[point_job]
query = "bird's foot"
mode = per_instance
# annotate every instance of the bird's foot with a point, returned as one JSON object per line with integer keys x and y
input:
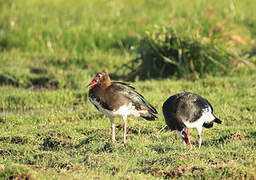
{"x": 120, "y": 145}
{"x": 190, "y": 146}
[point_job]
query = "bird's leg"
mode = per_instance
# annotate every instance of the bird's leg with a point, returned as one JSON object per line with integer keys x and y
{"x": 199, "y": 140}
{"x": 113, "y": 137}
{"x": 124, "y": 129}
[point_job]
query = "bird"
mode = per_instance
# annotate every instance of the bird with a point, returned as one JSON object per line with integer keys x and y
{"x": 118, "y": 99}
{"x": 188, "y": 110}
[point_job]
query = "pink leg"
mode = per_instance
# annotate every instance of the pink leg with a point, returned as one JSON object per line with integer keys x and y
{"x": 199, "y": 141}
{"x": 113, "y": 130}
{"x": 124, "y": 133}
{"x": 190, "y": 145}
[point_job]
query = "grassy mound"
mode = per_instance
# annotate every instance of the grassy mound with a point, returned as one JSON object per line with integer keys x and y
{"x": 169, "y": 52}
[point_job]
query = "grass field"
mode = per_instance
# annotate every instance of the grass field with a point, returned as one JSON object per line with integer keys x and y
{"x": 50, "y": 51}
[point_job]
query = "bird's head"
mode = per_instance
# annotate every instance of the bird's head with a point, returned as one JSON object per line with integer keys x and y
{"x": 185, "y": 134}
{"x": 101, "y": 79}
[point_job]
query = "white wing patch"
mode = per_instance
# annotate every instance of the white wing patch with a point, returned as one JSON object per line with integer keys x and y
{"x": 125, "y": 110}
{"x": 207, "y": 117}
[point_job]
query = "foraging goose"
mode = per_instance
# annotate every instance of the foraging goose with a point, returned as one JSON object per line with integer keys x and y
{"x": 188, "y": 110}
{"x": 118, "y": 99}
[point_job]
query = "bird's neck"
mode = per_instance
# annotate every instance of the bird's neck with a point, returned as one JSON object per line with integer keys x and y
{"x": 106, "y": 83}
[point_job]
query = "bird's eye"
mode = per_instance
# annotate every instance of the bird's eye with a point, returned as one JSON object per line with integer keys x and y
{"x": 183, "y": 134}
{"x": 100, "y": 75}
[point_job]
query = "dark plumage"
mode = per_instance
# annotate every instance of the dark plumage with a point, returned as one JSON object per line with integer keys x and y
{"x": 118, "y": 99}
{"x": 188, "y": 110}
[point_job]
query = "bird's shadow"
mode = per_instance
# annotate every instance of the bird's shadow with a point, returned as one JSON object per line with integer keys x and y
{"x": 227, "y": 138}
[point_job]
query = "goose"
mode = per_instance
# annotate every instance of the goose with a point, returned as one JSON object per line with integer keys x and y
{"x": 118, "y": 99}
{"x": 188, "y": 110}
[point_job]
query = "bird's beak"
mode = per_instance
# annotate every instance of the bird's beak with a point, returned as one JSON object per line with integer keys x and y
{"x": 186, "y": 137}
{"x": 94, "y": 81}
{"x": 187, "y": 141}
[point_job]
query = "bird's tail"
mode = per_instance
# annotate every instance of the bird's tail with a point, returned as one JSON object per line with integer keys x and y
{"x": 149, "y": 116}
{"x": 149, "y": 106}
{"x": 217, "y": 120}
{"x": 210, "y": 124}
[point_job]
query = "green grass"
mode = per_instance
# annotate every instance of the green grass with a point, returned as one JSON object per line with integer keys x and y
{"x": 64, "y": 138}
{"x": 50, "y": 51}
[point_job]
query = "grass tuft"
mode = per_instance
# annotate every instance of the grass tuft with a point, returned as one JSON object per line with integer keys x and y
{"x": 166, "y": 52}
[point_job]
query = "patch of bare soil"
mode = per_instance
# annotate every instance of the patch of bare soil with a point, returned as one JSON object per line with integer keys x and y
{"x": 22, "y": 176}
{"x": 44, "y": 83}
{"x": 180, "y": 170}
{"x": 232, "y": 136}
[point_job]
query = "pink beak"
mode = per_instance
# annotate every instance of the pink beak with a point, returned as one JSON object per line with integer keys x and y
{"x": 94, "y": 82}
{"x": 187, "y": 137}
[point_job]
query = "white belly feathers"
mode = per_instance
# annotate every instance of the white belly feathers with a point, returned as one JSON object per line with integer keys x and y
{"x": 124, "y": 110}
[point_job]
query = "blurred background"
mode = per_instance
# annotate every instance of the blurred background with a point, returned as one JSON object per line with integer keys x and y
{"x": 59, "y": 44}
{"x": 51, "y": 49}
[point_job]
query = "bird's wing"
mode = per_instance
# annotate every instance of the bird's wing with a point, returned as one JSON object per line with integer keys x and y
{"x": 132, "y": 94}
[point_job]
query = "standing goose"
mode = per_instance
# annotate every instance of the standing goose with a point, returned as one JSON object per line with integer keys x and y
{"x": 118, "y": 99}
{"x": 188, "y": 110}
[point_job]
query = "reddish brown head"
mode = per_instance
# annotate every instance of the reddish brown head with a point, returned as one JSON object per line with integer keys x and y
{"x": 185, "y": 134}
{"x": 101, "y": 79}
